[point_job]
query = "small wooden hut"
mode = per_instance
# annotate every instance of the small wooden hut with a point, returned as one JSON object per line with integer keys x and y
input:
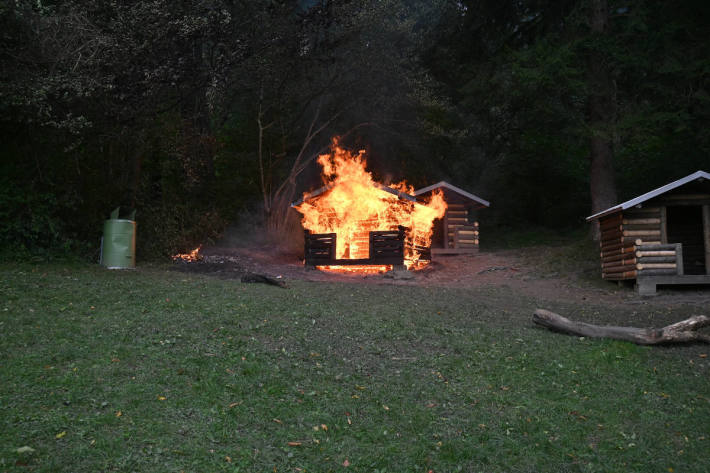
{"x": 661, "y": 237}
{"x": 458, "y": 232}
{"x": 375, "y": 247}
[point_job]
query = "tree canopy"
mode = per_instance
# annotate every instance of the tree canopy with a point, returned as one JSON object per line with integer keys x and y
{"x": 197, "y": 112}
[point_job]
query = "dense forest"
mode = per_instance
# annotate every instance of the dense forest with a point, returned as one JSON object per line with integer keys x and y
{"x": 205, "y": 114}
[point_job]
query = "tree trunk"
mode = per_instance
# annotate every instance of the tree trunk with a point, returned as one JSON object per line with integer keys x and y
{"x": 679, "y": 332}
{"x": 602, "y": 112}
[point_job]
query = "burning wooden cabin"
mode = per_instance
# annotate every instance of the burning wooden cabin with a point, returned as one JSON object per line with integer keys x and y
{"x": 458, "y": 231}
{"x": 661, "y": 237}
{"x": 355, "y": 223}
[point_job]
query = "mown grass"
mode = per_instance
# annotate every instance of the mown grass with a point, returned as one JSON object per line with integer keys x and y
{"x": 154, "y": 370}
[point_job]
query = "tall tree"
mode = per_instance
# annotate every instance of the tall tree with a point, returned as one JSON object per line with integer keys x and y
{"x": 582, "y": 93}
{"x": 602, "y": 113}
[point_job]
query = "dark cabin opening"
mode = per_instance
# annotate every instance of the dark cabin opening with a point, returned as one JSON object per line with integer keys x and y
{"x": 437, "y": 238}
{"x": 684, "y": 225}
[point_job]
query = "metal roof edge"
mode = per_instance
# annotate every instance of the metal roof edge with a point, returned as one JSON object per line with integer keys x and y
{"x": 310, "y": 195}
{"x": 452, "y": 187}
{"x": 651, "y": 194}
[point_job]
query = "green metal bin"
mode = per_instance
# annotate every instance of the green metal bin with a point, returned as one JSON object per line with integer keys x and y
{"x": 118, "y": 245}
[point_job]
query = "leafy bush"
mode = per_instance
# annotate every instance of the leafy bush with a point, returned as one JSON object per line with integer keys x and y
{"x": 30, "y": 220}
{"x": 167, "y": 230}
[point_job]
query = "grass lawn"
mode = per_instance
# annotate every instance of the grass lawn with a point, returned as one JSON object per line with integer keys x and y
{"x": 155, "y": 370}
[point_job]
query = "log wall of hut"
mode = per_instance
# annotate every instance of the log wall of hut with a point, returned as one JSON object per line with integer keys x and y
{"x": 669, "y": 235}
{"x": 633, "y": 243}
{"x": 456, "y": 231}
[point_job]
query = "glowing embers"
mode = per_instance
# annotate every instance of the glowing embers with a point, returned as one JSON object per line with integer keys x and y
{"x": 357, "y": 268}
{"x": 190, "y": 257}
{"x": 351, "y": 209}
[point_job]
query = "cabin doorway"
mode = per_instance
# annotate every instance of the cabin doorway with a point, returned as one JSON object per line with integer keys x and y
{"x": 684, "y": 224}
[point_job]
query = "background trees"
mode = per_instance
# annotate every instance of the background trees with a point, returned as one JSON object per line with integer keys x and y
{"x": 562, "y": 100}
{"x": 193, "y": 112}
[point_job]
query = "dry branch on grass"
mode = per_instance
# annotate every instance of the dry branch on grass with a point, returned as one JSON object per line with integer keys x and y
{"x": 679, "y": 332}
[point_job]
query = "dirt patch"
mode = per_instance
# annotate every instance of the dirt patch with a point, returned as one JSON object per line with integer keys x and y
{"x": 513, "y": 282}
{"x": 528, "y": 272}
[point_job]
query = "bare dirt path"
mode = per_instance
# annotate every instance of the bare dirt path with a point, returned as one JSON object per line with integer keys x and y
{"x": 519, "y": 270}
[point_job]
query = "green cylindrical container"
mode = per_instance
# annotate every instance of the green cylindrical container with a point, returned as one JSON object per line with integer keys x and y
{"x": 118, "y": 248}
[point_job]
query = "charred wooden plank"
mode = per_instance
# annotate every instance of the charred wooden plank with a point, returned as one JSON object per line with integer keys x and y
{"x": 262, "y": 278}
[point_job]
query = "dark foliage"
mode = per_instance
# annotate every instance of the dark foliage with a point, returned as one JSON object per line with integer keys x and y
{"x": 193, "y": 113}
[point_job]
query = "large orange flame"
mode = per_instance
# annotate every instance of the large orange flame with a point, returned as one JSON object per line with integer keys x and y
{"x": 355, "y": 205}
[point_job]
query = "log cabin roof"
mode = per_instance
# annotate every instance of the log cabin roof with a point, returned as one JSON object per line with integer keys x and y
{"x": 317, "y": 192}
{"x": 696, "y": 176}
{"x": 450, "y": 189}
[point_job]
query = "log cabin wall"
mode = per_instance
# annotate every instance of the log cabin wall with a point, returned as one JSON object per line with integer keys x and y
{"x": 665, "y": 232}
{"x": 459, "y": 232}
{"x": 646, "y": 224}
{"x": 633, "y": 242}
{"x": 658, "y": 240}
{"x": 617, "y": 251}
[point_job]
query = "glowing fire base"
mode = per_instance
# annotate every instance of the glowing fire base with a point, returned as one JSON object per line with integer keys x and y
{"x": 385, "y": 248}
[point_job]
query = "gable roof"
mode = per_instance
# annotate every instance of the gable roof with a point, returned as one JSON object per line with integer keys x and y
{"x": 696, "y": 176}
{"x": 317, "y": 192}
{"x": 451, "y": 187}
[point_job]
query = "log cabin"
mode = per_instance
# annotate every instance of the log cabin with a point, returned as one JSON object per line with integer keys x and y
{"x": 659, "y": 238}
{"x": 459, "y": 231}
{"x": 370, "y": 246}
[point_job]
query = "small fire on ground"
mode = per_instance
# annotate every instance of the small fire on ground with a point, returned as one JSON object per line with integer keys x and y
{"x": 358, "y": 268}
{"x": 190, "y": 257}
{"x": 355, "y": 205}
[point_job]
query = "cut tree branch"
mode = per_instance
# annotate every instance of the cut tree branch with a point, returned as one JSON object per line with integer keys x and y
{"x": 679, "y": 332}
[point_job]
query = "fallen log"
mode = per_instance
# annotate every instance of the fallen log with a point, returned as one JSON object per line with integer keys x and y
{"x": 679, "y": 332}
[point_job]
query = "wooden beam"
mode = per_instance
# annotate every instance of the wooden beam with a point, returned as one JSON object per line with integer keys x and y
{"x": 446, "y": 230}
{"x": 649, "y": 247}
{"x": 656, "y": 266}
{"x": 641, "y": 221}
{"x": 642, "y": 233}
{"x": 620, "y": 276}
{"x": 641, "y": 254}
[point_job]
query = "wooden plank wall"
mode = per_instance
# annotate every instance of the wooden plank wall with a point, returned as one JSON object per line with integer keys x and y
{"x": 459, "y": 232}
{"x": 616, "y": 251}
{"x": 632, "y": 246}
{"x": 644, "y": 224}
